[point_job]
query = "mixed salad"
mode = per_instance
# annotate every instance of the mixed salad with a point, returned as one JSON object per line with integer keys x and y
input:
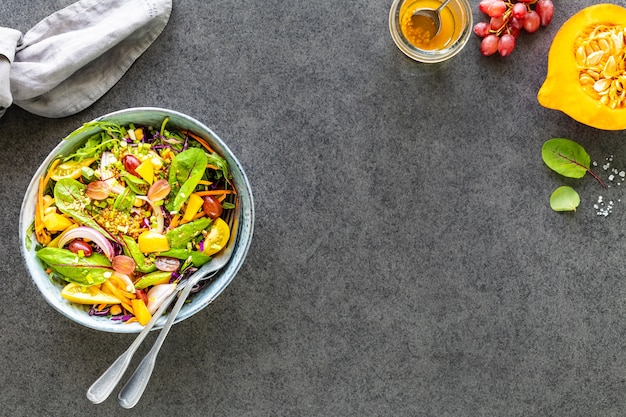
{"x": 124, "y": 218}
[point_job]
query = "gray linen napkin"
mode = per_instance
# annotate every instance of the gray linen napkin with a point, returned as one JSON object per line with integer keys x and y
{"x": 74, "y": 56}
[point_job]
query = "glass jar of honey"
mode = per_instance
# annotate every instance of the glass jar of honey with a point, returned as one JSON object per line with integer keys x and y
{"x": 415, "y": 35}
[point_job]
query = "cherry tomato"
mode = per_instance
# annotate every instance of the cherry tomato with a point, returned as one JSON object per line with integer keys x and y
{"x": 212, "y": 206}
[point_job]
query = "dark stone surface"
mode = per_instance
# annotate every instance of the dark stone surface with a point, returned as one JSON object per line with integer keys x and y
{"x": 405, "y": 260}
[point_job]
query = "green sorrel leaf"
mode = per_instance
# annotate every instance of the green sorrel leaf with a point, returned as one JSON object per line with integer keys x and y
{"x": 566, "y": 157}
{"x": 564, "y": 198}
{"x": 91, "y": 270}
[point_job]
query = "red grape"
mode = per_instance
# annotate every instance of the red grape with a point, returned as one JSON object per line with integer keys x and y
{"x": 506, "y": 44}
{"x": 519, "y": 10}
{"x": 212, "y": 206}
{"x": 123, "y": 264}
{"x": 495, "y": 23}
{"x": 78, "y": 245}
{"x": 481, "y": 29}
{"x": 532, "y": 21}
{"x": 514, "y": 31}
{"x": 497, "y": 8}
{"x": 489, "y": 45}
{"x": 545, "y": 10}
{"x": 516, "y": 23}
{"x": 483, "y": 6}
{"x": 98, "y": 190}
{"x": 507, "y": 18}
{"x": 167, "y": 264}
{"x": 131, "y": 162}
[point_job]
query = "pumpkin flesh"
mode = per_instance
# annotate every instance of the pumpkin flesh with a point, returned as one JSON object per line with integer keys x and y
{"x": 586, "y": 68}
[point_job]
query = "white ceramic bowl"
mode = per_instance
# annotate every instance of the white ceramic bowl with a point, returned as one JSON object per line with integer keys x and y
{"x": 51, "y": 291}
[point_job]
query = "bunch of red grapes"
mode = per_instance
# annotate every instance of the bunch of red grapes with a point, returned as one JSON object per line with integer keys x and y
{"x": 507, "y": 19}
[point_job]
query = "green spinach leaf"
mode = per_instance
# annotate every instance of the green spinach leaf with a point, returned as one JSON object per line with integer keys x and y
{"x": 218, "y": 161}
{"x": 91, "y": 270}
{"x": 186, "y": 171}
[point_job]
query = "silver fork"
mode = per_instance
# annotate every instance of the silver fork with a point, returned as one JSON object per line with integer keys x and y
{"x": 103, "y": 386}
{"x": 131, "y": 393}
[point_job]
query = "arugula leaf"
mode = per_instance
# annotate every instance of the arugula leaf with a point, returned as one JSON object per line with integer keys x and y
{"x": 124, "y": 202}
{"x": 91, "y": 270}
{"x": 218, "y": 161}
{"x": 111, "y": 128}
{"x": 185, "y": 173}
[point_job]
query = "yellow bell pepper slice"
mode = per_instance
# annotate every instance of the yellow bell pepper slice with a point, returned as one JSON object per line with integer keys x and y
{"x": 56, "y": 222}
{"x": 193, "y": 205}
{"x": 146, "y": 170}
{"x": 152, "y": 241}
{"x": 140, "y": 310}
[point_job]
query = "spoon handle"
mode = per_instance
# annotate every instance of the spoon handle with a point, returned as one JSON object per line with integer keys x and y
{"x": 442, "y": 5}
{"x": 131, "y": 393}
{"x": 103, "y": 386}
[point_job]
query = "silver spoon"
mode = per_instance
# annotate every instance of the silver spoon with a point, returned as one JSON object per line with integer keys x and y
{"x": 100, "y": 390}
{"x": 432, "y": 14}
{"x": 131, "y": 393}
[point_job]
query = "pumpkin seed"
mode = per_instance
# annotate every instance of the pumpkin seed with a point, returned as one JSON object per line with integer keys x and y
{"x": 594, "y": 58}
{"x": 610, "y": 68}
{"x": 581, "y": 55}
{"x": 586, "y": 79}
{"x": 618, "y": 41}
{"x": 593, "y": 74}
{"x": 604, "y": 45}
{"x": 602, "y": 85}
{"x": 601, "y": 55}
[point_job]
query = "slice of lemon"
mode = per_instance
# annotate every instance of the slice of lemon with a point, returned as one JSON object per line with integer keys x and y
{"x": 217, "y": 238}
{"x": 87, "y": 295}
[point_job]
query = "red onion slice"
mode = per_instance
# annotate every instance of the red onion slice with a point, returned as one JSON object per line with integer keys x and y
{"x": 158, "y": 294}
{"x": 86, "y": 232}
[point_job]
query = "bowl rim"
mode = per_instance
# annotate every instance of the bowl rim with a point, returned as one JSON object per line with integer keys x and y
{"x": 203, "y": 298}
{"x": 426, "y": 56}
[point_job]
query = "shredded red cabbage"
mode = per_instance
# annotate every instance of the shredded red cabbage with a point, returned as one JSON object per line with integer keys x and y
{"x": 95, "y": 312}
